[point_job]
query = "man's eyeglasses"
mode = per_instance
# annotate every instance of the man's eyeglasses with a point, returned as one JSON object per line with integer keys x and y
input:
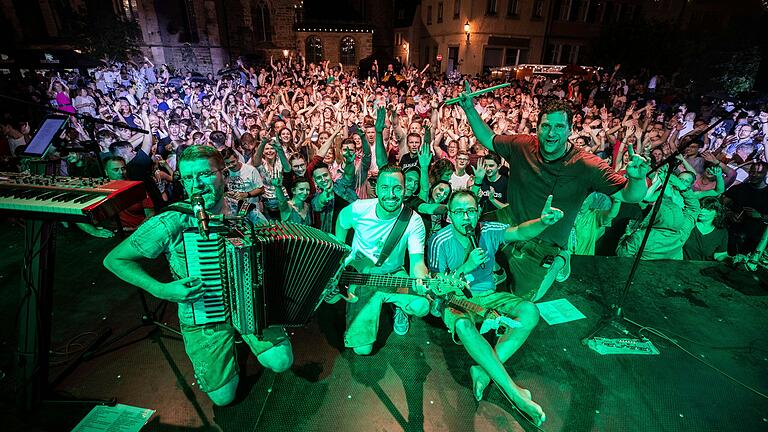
{"x": 471, "y": 212}
{"x": 204, "y": 176}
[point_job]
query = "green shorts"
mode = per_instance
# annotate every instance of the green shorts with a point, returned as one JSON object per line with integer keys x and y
{"x": 525, "y": 265}
{"x": 502, "y": 302}
{"x": 211, "y": 348}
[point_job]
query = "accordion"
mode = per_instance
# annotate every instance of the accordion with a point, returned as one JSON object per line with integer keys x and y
{"x": 264, "y": 275}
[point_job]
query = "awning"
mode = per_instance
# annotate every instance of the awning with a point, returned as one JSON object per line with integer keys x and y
{"x": 46, "y": 59}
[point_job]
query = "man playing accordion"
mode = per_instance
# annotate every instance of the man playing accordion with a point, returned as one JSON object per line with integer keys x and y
{"x": 210, "y": 347}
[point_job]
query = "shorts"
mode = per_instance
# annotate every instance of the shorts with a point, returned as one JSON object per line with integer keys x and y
{"x": 525, "y": 270}
{"x": 363, "y": 316}
{"x": 502, "y": 302}
{"x": 211, "y": 349}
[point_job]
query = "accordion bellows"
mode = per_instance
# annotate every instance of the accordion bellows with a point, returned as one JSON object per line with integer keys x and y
{"x": 270, "y": 275}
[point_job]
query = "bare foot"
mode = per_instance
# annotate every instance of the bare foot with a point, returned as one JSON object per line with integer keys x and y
{"x": 480, "y": 381}
{"x": 530, "y": 408}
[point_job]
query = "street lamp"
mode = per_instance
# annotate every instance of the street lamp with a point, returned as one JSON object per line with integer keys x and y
{"x": 466, "y": 30}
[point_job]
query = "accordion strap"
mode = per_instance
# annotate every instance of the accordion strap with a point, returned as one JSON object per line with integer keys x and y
{"x": 395, "y": 235}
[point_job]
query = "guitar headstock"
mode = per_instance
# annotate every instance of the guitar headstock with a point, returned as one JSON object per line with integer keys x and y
{"x": 443, "y": 284}
{"x": 494, "y": 320}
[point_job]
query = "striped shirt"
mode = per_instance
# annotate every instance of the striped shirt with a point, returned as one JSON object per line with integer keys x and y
{"x": 447, "y": 254}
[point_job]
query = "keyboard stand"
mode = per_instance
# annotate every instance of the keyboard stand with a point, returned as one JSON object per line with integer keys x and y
{"x": 34, "y": 319}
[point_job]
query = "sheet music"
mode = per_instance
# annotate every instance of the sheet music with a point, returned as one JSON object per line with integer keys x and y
{"x": 118, "y": 418}
{"x": 559, "y": 311}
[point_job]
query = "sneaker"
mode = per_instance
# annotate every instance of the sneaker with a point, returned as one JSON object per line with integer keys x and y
{"x": 564, "y": 272}
{"x": 402, "y": 323}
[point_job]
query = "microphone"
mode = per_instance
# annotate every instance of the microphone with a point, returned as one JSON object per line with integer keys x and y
{"x": 198, "y": 208}
{"x": 470, "y": 233}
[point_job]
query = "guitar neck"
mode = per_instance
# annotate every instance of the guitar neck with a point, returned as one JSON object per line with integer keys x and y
{"x": 466, "y": 305}
{"x": 379, "y": 281}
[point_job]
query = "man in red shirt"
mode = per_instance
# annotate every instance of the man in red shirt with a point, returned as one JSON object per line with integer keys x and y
{"x": 133, "y": 216}
{"x": 543, "y": 165}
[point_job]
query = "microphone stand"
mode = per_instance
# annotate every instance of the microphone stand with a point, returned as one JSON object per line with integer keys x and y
{"x": 615, "y": 315}
{"x": 89, "y": 124}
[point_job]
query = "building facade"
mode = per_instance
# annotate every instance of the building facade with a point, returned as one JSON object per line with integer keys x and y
{"x": 472, "y": 36}
{"x": 203, "y": 36}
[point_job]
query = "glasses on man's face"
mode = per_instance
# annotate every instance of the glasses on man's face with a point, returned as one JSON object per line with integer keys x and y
{"x": 471, "y": 212}
{"x": 204, "y": 176}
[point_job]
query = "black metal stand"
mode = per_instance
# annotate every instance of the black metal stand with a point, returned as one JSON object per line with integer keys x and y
{"x": 34, "y": 320}
{"x": 615, "y": 316}
{"x": 149, "y": 318}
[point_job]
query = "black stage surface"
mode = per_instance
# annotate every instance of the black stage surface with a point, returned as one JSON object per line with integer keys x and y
{"x": 419, "y": 381}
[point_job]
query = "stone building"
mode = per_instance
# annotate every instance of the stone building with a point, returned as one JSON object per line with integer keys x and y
{"x": 207, "y": 35}
{"x": 252, "y": 29}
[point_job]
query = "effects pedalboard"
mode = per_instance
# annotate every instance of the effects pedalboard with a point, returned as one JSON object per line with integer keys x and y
{"x": 607, "y": 346}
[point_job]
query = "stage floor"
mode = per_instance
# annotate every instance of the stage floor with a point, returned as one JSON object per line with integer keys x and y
{"x": 419, "y": 381}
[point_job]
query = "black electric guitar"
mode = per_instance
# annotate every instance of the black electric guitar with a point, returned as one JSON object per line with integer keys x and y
{"x": 447, "y": 288}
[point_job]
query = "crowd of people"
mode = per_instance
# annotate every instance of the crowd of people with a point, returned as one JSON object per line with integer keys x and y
{"x": 532, "y": 173}
{"x": 319, "y": 124}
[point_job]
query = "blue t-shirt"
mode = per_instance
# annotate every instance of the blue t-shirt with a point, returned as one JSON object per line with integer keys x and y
{"x": 447, "y": 254}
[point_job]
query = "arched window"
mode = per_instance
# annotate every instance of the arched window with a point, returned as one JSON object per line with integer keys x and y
{"x": 260, "y": 21}
{"x": 347, "y": 51}
{"x": 314, "y": 49}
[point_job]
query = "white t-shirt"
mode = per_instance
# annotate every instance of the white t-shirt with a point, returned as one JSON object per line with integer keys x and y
{"x": 460, "y": 182}
{"x": 371, "y": 233}
{"x": 85, "y": 104}
{"x": 245, "y": 180}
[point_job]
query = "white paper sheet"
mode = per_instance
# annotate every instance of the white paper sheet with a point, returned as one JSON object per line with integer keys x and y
{"x": 559, "y": 311}
{"x": 118, "y": 418}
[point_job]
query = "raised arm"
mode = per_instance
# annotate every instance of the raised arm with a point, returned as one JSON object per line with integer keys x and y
{"x": 256, "y": 159}
{"x": 425, "y": 157}
{"x": 381, "y": 151}
{"x": 146, "y": 141}
{"x": 282, "y": 200}
{"x": 481, "y": 130}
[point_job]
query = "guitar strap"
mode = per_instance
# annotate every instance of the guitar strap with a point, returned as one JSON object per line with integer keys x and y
{"x": 395, "y": 235}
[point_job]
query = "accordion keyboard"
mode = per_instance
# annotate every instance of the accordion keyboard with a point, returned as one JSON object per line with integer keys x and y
{"x": 206, "y": 260}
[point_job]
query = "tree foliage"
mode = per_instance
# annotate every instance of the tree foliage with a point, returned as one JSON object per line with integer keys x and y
{"x": 105, "y": 34}
{"x": 708, "y": 61}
